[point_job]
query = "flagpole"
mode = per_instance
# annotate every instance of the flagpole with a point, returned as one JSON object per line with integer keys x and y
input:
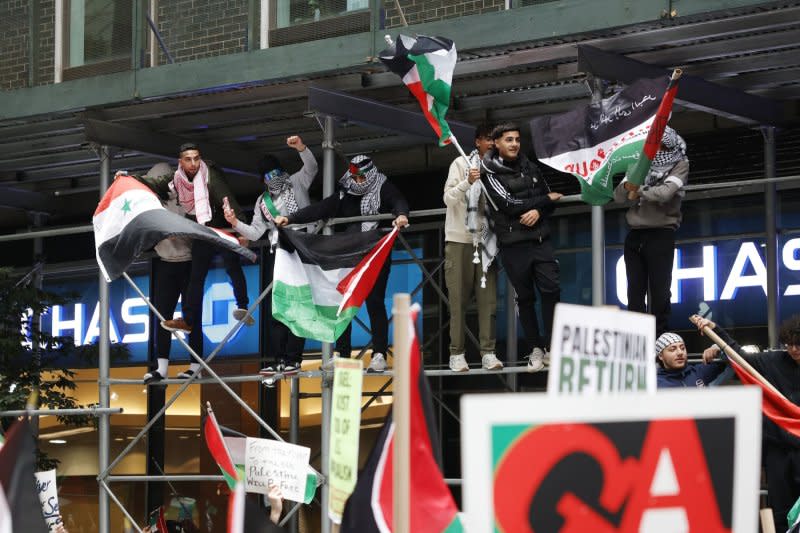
{"x": 464, "y": 155}
{"x": 732, "y": 354}
{"x": 401, "y": 414}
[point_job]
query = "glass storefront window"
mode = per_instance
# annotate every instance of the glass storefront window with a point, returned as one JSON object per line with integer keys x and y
{"x": 99, "y": 30}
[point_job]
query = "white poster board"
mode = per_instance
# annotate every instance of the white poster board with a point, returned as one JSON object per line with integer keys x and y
{"x": 679, "y": 460}
{"x": 48, "y": 496}
{"x": 274, "y": 462}
{"x": 601, "y": 350}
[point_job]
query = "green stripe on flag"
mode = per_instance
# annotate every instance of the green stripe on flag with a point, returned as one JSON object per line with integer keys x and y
{"x": 311, "y": 487}
{"x": 455, "y": 526}
{"x": 601, "y": 190}
{"x": 438, "y": 89}
{"x": 295, "y": 307}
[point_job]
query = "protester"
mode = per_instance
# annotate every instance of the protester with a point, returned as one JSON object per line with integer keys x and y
{"x": 284, "y": 194}
{"x": 363, "y": 191}
{"x": 171, "y": 272}
{"x": 524, "y": 203}
{"x": 469, "y": 251}
{"x": 780, "y": 450}
{"x": 202, "y": 190}
{"x": 653, "y": 216}
{"x": 674, "y": 370}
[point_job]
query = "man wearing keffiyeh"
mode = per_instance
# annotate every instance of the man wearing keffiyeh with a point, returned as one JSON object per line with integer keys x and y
{"x": 363, "y": 191}
{"x": 201, "y": 190}
{"x": 469, "y": 251}
{"x": 653, "y": 216}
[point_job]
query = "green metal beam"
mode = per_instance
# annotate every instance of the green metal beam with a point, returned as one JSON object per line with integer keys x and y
{"x": 502, "y": 28}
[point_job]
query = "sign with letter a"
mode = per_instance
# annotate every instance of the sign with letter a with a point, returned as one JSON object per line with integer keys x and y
{"x": 680, "y": 461}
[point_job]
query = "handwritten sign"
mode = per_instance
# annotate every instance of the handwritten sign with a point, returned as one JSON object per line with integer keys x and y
{"x": 601, "y": 350}
{"x": 271, "y": 462}
{"x": 48, "y": 496}
{"x": 345, "y": 427}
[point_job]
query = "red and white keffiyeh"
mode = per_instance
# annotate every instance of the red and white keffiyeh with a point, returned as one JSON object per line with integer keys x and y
{"x": 193, "y": 194}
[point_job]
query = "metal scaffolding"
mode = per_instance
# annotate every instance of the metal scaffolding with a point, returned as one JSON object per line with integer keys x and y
{"x": 430, "y": 269}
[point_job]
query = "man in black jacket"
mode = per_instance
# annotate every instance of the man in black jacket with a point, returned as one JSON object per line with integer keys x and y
{"x": 522, "y": 203}
{"x": 363, "y": 191}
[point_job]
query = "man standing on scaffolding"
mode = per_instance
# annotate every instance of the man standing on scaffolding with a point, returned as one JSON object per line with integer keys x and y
{"x": 202, "y": 191}
{"x": 523, "y": 204}
{"x": 363, "y": 191}
{"x": 284, "y": 195}
{"x": 469, "y": 244}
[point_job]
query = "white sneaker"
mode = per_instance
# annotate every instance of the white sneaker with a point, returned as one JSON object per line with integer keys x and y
{"x": 536, "y": 360}
{"x": 239, "y": 314}
{"x": 491, "y": 362}
{"x": 377, "y": 363}
{"x": 458, "y": 363}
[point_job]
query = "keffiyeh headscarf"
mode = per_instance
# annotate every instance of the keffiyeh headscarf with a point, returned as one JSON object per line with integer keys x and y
{"x": 281, "y": 186}
{"x": 673, "y": 151}
{"x": 193, "y": 194}
{"x": 369, "y": 189}
{"x": 483, "y": 238}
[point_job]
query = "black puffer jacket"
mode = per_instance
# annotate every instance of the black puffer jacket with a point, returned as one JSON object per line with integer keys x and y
{"x": 516, "y": 187}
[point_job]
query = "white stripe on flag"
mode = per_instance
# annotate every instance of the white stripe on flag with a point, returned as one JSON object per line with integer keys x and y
{"x": 360, "y": 274}
{"x": 290, "y": 270}
{"x": 124, "y": 208}
{"x": 6, "y": 520}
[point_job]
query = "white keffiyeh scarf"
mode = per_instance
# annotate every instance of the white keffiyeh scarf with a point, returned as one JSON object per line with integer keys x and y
{"x": 483, "y": 238}
{"x": 193, "y": 194}
{"x": 369, "y": 189}
{"x": 674, "y": 151}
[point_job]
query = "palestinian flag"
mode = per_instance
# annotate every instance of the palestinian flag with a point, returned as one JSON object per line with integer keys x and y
{"x": 245, "y": 515}
{"x": 426, "y": 66}
{"x": 218, "y": 450}
{"x": 320, "y": 281}
{"x": 774, "y": 406}
{"x": 131, "y": 220}
{"x": 369, "y": 508}
{"x": 20, "y": 508}
{"x": 597, "y": 141}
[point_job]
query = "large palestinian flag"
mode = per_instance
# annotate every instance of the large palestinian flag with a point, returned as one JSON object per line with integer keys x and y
{"x": 433, "y": 510}
{"x": 20, "y": 508}
{"x": 597, "y": 141}
{"x": 130, "y": 220}
{"x": 426, "y": 66}
{"x": 320, "y": 281}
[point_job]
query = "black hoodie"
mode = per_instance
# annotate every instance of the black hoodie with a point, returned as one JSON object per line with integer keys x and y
{"x": 516, "y": 187}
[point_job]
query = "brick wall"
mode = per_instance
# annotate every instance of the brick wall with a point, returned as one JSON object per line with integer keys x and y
{"x": 193, "y": 29}
{"x": 47, "y": 21}
{"x": 417, "y": 11}
{"x": 13, "y": 44}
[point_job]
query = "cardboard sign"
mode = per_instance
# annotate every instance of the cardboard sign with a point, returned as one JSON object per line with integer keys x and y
{"x": 48, "y": 496}
{"x": 279, "y": 463}
{"x": 345, "y": 427}
{"x": 601, "y": 350}
{"x": 679, "y": 461}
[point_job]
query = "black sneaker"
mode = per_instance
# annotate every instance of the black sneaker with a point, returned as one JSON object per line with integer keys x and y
{"x": 289, "y": 369}
{"x": 154, "y": 376}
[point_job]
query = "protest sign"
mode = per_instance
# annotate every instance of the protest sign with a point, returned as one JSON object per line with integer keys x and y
{"x": 278, "y": 463}
{"x": 345, "y": 427}
{"x": 679, "y": 460}
{"x": 601, "y": 350}
{"x": 48, "y": 495}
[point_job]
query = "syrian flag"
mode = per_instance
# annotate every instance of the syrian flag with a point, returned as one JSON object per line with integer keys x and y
{"x": 369, "y": 508}
{"x": 774, "y": 405}
{"x": 218, "y": 450}
{"x": 320, "y": 281}
{"x": 597, "y": 141}
{"x": 131, "y": 220}
{"x": 245, "y": 515}
{"x": 426, "y": 66}
{"x": 20, "y": 508}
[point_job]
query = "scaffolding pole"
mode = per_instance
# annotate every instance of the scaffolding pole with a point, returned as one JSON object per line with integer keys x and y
{"x": 771, "y": 229}
{"x": 104, "y": 365}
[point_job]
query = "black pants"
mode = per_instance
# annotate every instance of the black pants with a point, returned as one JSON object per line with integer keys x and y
{"x": 530, "y": 265}
{"x": 170, "y": 282}
{"x": 202, "y": 255}
{"x": 378, "y": 322}
{"x": 282, "y": 345}
{"x": 649, "y": 255}
{"x": 783, "y": 481}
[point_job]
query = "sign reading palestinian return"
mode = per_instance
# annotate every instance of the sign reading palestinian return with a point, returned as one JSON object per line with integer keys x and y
{"x": 679, "y": 460}
{"x": 271, "y": 462}
{"x": 601, "y": 350}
